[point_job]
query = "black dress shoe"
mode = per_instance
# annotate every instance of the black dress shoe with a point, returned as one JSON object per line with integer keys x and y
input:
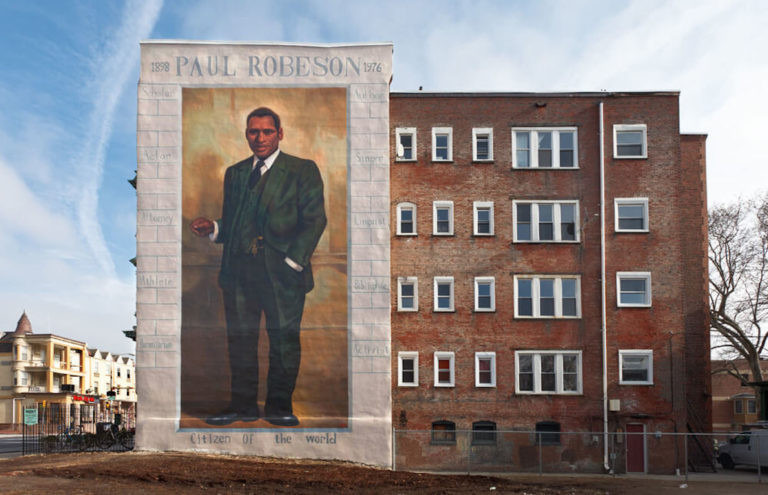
{"x": 228, "y": 417}
{"x": 287, "y": 420}
{"x": 223, "y": 418}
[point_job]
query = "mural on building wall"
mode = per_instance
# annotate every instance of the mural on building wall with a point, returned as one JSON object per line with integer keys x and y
{"x": 264, "y": 258}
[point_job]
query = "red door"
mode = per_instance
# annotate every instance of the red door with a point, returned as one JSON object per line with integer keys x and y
{"x": 635, "y": 448}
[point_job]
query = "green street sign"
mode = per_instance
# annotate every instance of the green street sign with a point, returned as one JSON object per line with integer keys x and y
{"x": 30, "y": 416}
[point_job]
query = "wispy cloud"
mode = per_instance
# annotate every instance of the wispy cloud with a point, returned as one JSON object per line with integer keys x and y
{"x": 109, "y": 75}
{"x": 55, "y": 140}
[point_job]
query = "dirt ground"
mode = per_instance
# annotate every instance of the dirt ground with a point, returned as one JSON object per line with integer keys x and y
{"x": 165, "y": 473}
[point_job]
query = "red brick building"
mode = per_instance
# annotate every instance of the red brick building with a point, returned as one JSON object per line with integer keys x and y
{"x": 498, "y": 240}
{"x": 734, "y": 406}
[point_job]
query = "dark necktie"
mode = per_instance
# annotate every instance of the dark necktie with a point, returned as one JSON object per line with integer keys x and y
{"x": 253, "y": 179}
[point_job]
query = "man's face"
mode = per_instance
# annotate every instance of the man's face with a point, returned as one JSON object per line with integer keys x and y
{"x": 262, "y": 136}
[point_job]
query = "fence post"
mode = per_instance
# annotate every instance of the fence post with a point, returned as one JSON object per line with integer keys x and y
{"x": 759, "y": 469}
{"x": 685, "y": 444}
{"x": 468, "y": 439}
{"x": 541, "y": 462}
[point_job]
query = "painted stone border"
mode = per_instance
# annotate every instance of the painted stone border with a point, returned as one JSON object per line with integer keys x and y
{"x": 167, "y": 67}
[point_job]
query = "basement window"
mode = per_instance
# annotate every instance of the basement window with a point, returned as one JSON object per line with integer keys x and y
{"x": 443, "y": 433}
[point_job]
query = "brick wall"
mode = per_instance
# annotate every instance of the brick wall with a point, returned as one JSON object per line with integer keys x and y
{"x": 663, "y": 251}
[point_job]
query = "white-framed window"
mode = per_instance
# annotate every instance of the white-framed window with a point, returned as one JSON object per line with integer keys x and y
{"x": 738, "y": 406}
{"x": 406, "y": 219}
{"x": 630, "y": 141}
{"x": 485, "y": 294}
{"x": 636, "y": 367}
{"x": 633, "y": 289}
{"x": 546, "y": 221}
{"x": 482, "y": 214}
{"x": 485, "y": 369}
{"x": 545, "y": 147}
{"x": 442, "y": 144}
{"x": 547, "y": 296}
{"x": 442, "y": 218}
{"x": 631, "y": 214}
{"x": 548, "y": 372}
{"x": 444, "y": 369}
{"x": 443, "y": 289}
{"x": 407, "y": 294}
{"x": 751, "y": 406}
{"x": 23, "y": 378}
{"x": 482, "y": 144}
{"x": 407, "y": 369}
{"x": 405, "y": 139}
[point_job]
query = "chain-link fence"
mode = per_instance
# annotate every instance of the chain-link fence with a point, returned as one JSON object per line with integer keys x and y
{"x": 631, "y": 451}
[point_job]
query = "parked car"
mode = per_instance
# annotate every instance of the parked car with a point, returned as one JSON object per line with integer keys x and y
{"x": 749, "y": 448}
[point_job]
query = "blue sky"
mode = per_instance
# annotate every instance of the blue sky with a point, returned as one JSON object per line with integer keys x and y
{"x": 68, "y": 106}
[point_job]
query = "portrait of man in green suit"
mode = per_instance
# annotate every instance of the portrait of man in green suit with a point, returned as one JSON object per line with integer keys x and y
{"x": 272, "y": 218}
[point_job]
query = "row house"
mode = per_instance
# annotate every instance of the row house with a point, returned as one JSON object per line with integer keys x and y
{"x": 549, "y": 257}
{"x": 735, "y": 405}
{"x": 63, "y": 375}
{"x": 113, "y": 380}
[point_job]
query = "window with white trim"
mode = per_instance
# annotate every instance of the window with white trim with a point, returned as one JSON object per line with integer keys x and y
{"x": 406, "y": 144}
{"x": 546, "y": 221}
{"x": 636, "y": 367}
{"x": 406, "y": 219}
{"x": 482, "y": 214}
{"x": 482, "y": 144}
{"x": 633, "y": 289}
{"x": 443, "y": 290}
{"x": 407, "y": 369}
{"x": 442, "y": 144}
{"x": 751, "y": 406}
{"x": 485, "y": 369}
{"x": 548, "y": 372}
{"x": 631, "y": 214}
{"x": 485, "y": 294}
{"x": 738, "y": 406}
{"x": 407, "y": 294}
{"x": 545, "y": 147}
{"x": 442, "y": 218}
{"x": 444, "y": 369}
{"x": 547, "y": 296}
{"x": 630, "y": 141}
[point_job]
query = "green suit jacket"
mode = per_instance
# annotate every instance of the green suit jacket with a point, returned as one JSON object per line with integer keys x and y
{"x": 291, "y": 213}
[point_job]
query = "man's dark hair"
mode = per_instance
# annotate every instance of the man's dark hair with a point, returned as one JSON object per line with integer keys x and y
{"x": 264, "y": 112}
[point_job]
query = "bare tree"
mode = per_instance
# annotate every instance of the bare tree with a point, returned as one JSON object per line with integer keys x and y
{"x": 738, "y": 278}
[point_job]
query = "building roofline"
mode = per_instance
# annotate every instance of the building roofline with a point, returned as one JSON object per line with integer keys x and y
{"x": 493, "y": 94}
{"x": 695, "y": 134}
{"x": 44, "y": 336}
